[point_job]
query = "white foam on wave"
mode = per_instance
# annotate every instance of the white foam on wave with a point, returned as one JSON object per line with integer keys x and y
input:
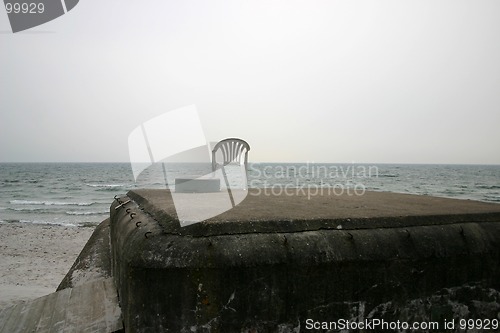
{"x": 105, "y": 185}
{"x": 30, "y": 209}
{"x": 49, "y": 223}
{"x": 50, "y": 203}
{"x": 64, "y": 224}
{"x": 87, "y": 213}
{"x": 25, "y": 202}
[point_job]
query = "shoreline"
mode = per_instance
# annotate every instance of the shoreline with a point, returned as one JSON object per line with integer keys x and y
{"x": 34, "y": 258}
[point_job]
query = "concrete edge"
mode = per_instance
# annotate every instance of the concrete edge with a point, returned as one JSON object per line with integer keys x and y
{"x": 171, "y": 225}
{"x": 93, "y": 262}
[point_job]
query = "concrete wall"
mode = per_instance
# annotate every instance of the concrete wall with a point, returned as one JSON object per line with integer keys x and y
{"x": 275, "y": 281}
{"x": 93, "y": 262}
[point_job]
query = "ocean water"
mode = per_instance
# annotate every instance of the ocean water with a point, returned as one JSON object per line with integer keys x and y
{"x": 79, "y": 194}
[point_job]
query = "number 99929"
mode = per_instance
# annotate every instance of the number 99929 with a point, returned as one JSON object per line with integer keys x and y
{"x": 479, "y": 324}
{"x": 24, "y": 7}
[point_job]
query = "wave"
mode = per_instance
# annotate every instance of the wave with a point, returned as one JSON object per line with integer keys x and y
{"x": 488, "y": 187}
{"x": 492, "y": 197}
{"x": 105, "y": 185}
{"x": 10, "y": 221}
{"x": 72, "y": 188}
{"x": 64, "y": 224}
{"x": 30, "y": 210}
{"x": 106, "y": 189}
{"x": 16, "y": 181}
{"x": 50, "y": 203}
{"x": 87, "y": 213}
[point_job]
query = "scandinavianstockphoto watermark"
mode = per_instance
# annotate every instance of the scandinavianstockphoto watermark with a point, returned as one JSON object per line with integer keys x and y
{"x": 311, "y": 179}
{"x": 150, "y": 144}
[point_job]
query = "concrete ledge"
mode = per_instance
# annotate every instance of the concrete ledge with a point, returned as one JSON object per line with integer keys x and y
{"x": 188, "y": 185}
{"x": 94, "y": 262}
{"x": 260, "y": 268}
{"x": 264, "y": 213}
{"x": 89, "y": 307}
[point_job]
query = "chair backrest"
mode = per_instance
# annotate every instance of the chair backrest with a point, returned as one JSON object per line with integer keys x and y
{"x": 233, "y": 150}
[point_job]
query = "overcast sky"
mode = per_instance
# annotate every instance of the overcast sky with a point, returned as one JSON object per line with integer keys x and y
{"x": 323, "y": 81}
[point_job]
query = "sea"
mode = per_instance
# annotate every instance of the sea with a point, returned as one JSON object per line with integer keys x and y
{"x": 80, "y": 194}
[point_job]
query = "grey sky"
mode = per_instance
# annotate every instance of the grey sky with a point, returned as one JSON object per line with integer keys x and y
{"x": 322, "y": 81}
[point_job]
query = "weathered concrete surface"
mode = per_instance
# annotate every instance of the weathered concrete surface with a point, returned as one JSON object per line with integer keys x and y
{"x": 94, "y": 262}
{"x": 275, "y": 261}
{"x": 261, "y": 212}
{"x": 188, "y": 185}
{"x": 90, "y": 307}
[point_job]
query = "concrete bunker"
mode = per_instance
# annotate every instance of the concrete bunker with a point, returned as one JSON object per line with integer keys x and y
{"x": 274, "y": 262}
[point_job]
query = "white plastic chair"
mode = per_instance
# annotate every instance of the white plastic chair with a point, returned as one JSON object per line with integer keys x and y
{"x": 233, "y": 150}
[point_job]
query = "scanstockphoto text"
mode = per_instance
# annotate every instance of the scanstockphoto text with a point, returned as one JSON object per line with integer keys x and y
{"x": 311, "y": 179}
{"x": 470, "y": 324}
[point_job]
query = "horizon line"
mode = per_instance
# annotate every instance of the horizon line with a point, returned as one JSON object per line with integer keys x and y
{"x": 307, "y": 162}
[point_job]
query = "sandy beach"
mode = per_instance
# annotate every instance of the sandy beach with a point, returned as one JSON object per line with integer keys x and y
{"x": 35, "y": 258}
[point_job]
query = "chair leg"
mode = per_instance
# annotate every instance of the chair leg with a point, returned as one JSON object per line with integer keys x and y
{"x": 228, "y": 187}
{"x": 165, "y": 175}
{"x": 245, "y": 176}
